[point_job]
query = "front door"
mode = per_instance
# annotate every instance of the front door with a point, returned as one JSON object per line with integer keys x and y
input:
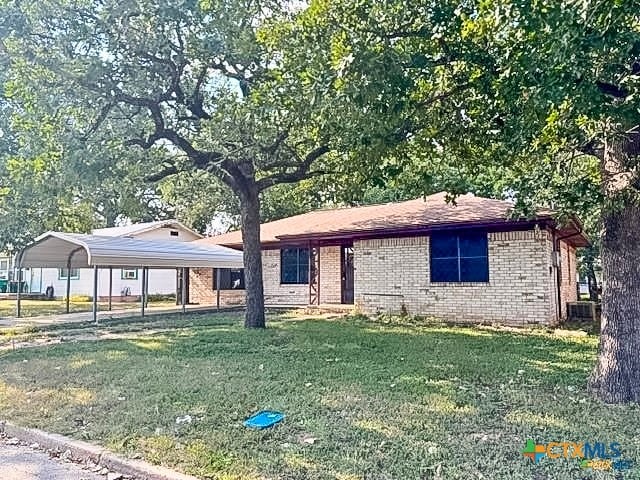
{"x": 347, "y": 274}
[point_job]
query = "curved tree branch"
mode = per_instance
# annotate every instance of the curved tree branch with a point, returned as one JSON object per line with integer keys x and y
{"x": 302, "y": 171}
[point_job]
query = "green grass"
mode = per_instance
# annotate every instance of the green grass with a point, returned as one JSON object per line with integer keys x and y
{"x": 32, "y": 308}
{"x": 382, "y": 401}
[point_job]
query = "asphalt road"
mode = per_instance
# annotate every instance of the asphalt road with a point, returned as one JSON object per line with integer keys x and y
{"x": 22, "y": 463}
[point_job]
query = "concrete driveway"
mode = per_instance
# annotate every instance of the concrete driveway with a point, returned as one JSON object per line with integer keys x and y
{"x": 22, "y": 463}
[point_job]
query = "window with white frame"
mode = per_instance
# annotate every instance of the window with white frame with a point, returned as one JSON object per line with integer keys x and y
{"x": 129, "y": 274}
{"x": 64, "y": 274}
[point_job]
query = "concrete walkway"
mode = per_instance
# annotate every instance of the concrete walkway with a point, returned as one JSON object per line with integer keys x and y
{"x": 84, "y": 317}
{"x": 23, "y": 463}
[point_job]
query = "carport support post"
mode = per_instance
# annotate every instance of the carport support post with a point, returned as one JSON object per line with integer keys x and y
{"x": 18, "y": 296}
{"x": 69, "y": 274}
{"x": 110, "y": 286}
{"x": 95, "y": 294}
{"x": 146, "y": 288}
{"x": 218, "y": 288}
{"x": 143, "y": 289}
{"x": 183, "y": 290}
{"x": 68, "y": 282}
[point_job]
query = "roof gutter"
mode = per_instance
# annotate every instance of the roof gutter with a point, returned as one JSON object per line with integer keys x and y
{"x": 337, "y": 237}
{"x": 400, "y": 231}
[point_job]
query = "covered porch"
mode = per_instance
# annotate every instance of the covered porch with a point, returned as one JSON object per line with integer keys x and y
{"x": 297, "y": 274}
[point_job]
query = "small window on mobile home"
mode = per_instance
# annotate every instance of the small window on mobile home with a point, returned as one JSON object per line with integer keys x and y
{"x": 129, "y": 274}
{"x": 73, "y": 274}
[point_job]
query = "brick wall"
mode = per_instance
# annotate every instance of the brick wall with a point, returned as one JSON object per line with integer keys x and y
{"x": 201, "y": 289}
{"x": 330, "y": 275}
{"x": 568, "y": 276}
{"x": 392, "y": 275}
{"x": 275, "y": 293}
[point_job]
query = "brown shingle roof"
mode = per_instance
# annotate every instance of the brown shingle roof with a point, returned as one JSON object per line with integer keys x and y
{"x": 402, "y": 217}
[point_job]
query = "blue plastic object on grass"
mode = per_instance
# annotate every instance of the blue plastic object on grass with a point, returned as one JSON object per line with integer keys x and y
{"x": 263, "y": 419}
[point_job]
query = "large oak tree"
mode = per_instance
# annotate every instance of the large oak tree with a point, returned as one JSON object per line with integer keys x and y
{"x": 193, "y": 78}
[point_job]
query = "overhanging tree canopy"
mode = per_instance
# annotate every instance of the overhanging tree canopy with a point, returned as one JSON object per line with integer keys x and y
{"x": 521, "y": 86}
{"x": 191, "y": 77}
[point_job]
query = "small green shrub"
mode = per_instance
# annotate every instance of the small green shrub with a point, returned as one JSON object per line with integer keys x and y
{"x": 162, "y": 297}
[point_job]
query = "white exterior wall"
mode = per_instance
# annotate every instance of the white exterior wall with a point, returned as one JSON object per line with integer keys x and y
{"x": 161, "y": 281}
{"x": 5, "y": 261}
{"x": 164, "y": 234}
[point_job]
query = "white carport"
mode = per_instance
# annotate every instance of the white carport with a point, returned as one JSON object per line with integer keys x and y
{"x": 73, "y": 250}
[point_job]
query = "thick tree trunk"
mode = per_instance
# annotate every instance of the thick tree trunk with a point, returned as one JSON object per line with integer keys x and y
{"x": 616, "y": 377}
{"x": 250, "y": 217}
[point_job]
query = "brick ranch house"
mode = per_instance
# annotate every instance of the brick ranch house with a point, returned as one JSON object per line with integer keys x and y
{"x": 468, "y": 262}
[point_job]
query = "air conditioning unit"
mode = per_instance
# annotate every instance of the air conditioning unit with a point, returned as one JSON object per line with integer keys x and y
{"x": 581, "y": 311}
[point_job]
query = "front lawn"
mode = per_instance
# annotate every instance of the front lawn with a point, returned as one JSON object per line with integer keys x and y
{"x": 32, "y": 308}
{"x": 363, "y": 400}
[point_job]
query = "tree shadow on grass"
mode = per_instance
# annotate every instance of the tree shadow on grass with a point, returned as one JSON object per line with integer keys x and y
{"x": 382, "y": 401}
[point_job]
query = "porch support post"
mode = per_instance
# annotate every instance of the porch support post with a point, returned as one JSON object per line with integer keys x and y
{"x": 318, "y": 272}
{"x": 314, "y": 274}
{"x": 183, "y": 290}
{"x": 110, "y": 286}
{"x": 95, "y": 294}
{"x": 218, "y": 288}
{"x": 310, "y": 273}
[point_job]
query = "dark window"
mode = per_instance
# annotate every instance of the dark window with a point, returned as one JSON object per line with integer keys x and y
{"x": 174, "y": 233}
{"x": 294, "y": 265}
{"x": 459, "y": 257}
{"x": 230, "y": 279}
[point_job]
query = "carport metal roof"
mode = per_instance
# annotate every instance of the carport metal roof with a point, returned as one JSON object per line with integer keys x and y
{"x": 75, "y": 250}
{"x": 57, "y": 249}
